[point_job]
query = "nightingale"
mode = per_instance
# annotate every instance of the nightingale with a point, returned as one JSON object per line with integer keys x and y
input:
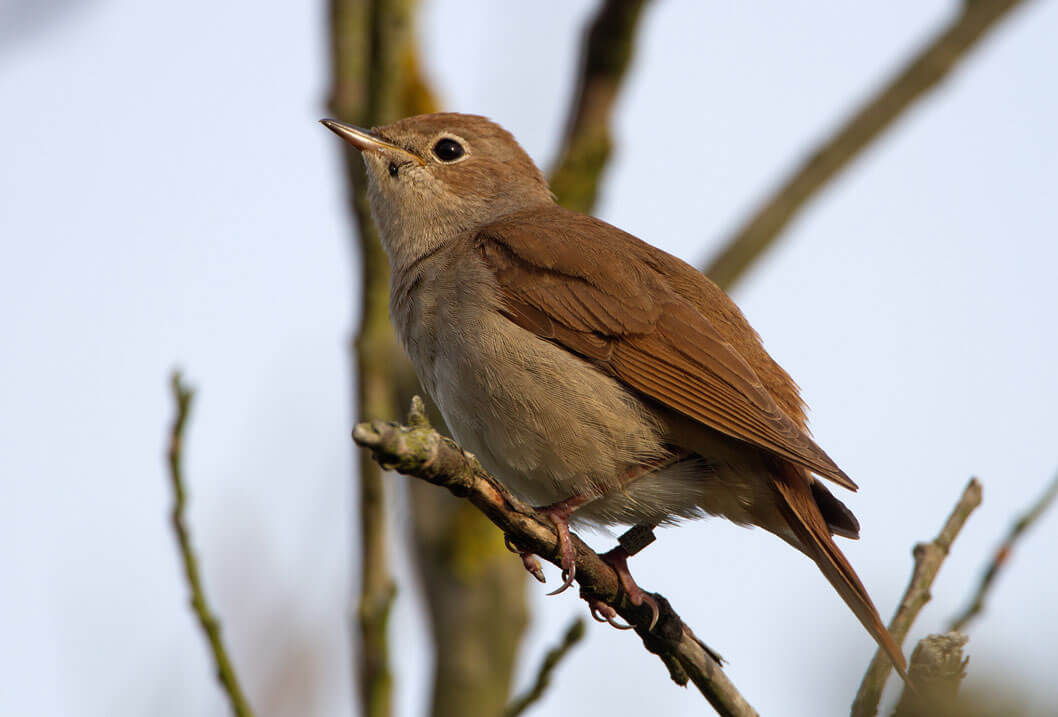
{"x": 593, "y": 374}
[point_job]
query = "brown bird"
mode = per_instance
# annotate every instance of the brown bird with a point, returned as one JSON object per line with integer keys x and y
{"x": 590, "y": 372}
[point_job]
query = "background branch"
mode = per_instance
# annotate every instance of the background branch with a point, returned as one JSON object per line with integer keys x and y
{"x": 931, "y": 65}
{"x": 369, "y": 40}
{"x": 554, "y": 656}
{"x": 928, "y": 559}
{"x": 229, "y": 681}
{"x": 1003, "y": 553}
{"x": 475, "y": 595}
{"x": 607, "y": 52}
{"x": 937, "y": 669}
{"x": 417, "y": 450}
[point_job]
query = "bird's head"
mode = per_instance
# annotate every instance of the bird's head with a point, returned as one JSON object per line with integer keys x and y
{"x": 431, "y": 177}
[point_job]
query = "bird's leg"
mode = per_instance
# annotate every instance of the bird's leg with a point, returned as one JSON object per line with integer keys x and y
{"x": 633, "y": 540}
{"x": 558, "y": 514}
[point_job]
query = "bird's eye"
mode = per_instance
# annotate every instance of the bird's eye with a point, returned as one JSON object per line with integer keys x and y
{"x": 448, "y": 150}
{"x": 393, "y": 169}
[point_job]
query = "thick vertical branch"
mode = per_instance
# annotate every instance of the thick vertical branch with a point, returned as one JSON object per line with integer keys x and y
{"x": 368, "y": 43}
{"x": 605, "y": 57}
{"x": 931, "y": 65}
{"x": 474, "y": 592}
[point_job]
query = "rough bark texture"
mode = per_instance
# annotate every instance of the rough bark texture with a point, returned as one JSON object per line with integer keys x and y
{"x": 937, "y": 670}
{"x": 931, "y": 65}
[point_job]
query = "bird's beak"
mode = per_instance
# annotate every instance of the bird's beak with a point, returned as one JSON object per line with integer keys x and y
{"x": 364, "y": 140}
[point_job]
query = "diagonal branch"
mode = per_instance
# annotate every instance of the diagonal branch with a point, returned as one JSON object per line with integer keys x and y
{"x": 928, "y": 559}
{"x": 419, "y": 451}
{"x": 1003, "y": 553}
{"x": 606, "y": 55}
{"x": 229, "y": 681}
{"x": 554, "y": 656}
{"x": 931, "y": 65}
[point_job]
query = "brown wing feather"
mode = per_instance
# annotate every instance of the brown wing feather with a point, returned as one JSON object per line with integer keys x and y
{"x": 599, "y": 292}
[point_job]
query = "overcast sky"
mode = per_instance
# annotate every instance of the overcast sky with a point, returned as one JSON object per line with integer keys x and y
{"x": 167, "y": 199}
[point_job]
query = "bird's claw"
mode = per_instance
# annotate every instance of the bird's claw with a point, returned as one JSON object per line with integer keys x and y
{"x": 601, "y": 612}
{"x": 532, "y": 566}
{"x": 618, "y": 560}
{"x": 529, "y": 560}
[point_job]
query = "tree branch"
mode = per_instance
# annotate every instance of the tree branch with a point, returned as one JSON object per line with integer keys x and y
{"x": 937, "y": 669}
{"x": 229, "y": 681}
{"x": 554, "y": 656}
{"x": 1003, "y": 553}
{"x": 931, "y": 65}
{"x": 606, "y": 55}
{"x": 928, "y": 559}
{"x": 372, "y": 45}
{"x": 419, "y": 451}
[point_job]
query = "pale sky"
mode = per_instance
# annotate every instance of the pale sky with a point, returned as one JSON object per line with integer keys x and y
{"x": 167, "y": 198}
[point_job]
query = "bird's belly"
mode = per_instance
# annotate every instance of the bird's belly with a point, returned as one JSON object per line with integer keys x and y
{"x": 544, "y": 422}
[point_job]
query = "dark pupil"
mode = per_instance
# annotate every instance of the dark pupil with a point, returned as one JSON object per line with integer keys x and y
{"x": 448, "y": 150}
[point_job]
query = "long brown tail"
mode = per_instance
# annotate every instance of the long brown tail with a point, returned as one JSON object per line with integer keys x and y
{"x": 801, "y": 512}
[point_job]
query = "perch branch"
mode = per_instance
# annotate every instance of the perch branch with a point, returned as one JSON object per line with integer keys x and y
{"x": 229, "y": 682}
{"x": 607, "y": 52}
{"x": 1003, "y": 553}
{"x": 419, "y": 451}
{"x": 554, "y": 656}
{"x": 931, "y": 65}
{"x": 928, "y": 559}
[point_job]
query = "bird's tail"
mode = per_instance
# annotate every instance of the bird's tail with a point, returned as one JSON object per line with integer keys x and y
{"x": 801, "y": 512}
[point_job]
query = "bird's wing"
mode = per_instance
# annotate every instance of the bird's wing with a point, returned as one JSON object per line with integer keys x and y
{"x": 595, "y": 290}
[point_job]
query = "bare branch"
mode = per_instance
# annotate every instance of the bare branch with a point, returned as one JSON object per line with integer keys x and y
{"x": 606, "y": 55}
{"x": 418, "y": 450}
{"x": 554, "y": 656}
{"x": 928, "y": 559}
{"x": 1003, "y": 553}
{"x": 229, "y": 681}
{"x": 375, "y": 81}
{"x": 937, "y": 670}
{"x": 931, "y": 65}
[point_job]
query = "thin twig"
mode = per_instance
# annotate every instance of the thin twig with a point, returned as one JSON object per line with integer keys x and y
{"x": 1003, "y": 553}
{"x": 931, "y": 65}
{"x": 229, "y": 682}
{"x": 607, "y": 52}
{"x": 928, "y": 559}
{"x": 418, "y": 450}
{"x": 554, "y": 656}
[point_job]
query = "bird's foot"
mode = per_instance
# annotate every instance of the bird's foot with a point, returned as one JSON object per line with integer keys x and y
{"x": 529, "y": 560}
{"x": 558, "y": 514}
{"x": 618, "y": 560}
{"x": 601, "y": 612}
